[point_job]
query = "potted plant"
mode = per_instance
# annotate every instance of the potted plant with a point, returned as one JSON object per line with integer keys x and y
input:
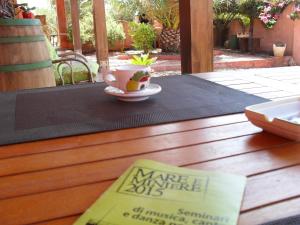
{"x": 279, "y": 49}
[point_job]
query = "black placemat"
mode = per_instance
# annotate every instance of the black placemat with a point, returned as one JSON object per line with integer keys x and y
{"x": 62, "y": 111}
{"x": 293, "y": 220}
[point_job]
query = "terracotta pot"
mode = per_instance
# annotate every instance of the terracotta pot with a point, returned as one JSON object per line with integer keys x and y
{"x": 88, "y": 48}
{"x": 279, "y": 50}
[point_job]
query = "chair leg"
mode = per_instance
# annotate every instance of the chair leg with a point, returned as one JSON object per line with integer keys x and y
{"x": 61, "y": 73}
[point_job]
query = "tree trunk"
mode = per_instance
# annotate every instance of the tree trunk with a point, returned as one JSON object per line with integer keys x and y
{"x": 221, "y": 33}
{"x": 251, "y": 35}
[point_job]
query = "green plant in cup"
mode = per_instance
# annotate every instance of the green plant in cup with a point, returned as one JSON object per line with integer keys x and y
{"x": 143, "y": 60}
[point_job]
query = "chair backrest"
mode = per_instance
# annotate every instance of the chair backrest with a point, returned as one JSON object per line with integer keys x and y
{"x": 70, "y": 67}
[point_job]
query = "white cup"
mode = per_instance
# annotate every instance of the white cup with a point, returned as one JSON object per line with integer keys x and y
{"x": 129, "y": 78}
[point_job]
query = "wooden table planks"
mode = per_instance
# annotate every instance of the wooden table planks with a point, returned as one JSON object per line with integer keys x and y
{"x": 52, "y": 182}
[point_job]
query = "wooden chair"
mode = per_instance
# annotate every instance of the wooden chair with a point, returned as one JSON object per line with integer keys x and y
{"x": 67, "y": 59}
{"x": 70, "y": 64}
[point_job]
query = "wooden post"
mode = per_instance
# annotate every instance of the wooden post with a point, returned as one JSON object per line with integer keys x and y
{"x": 62, "y": 23}
{"x": 101, "y": 34}
{"x": 76, "y": 26}
{"x": 196, "y": 31}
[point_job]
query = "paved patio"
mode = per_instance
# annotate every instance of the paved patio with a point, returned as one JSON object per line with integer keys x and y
{"x": 272, "y": 83}
{"x": 223, "y": 60}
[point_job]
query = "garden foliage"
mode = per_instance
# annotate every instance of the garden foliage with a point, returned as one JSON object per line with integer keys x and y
{"x": 166, "y": 12}
{"x": 143, "y": 36}
{"x": 115, "y": 31}
{"x": 271, "y": 10}
{"x": 125, "y": 9}
{"x": 51, "y": 18}
{"x": 296, "y": 11}
{"x": 224, "y": 12}
{"x": 85, "y": 19}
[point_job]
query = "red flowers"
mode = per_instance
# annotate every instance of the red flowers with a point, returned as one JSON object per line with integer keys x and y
{"x": 28, "y": 15}
{"x": 271, "y": 11}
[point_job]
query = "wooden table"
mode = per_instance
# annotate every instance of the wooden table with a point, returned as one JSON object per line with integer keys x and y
{"x": 52, "y": 182}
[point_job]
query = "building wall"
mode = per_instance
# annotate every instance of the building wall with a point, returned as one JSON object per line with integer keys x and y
{"x": 285, "y": 30}
{"x": 296, "y": 49}
{"x": 282, "y": 31}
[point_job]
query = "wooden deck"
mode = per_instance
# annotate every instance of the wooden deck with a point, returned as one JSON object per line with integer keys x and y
{"x": 52, "y": 182}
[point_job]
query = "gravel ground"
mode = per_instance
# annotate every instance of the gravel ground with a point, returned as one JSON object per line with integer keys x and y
{"x": 165, "y": 73}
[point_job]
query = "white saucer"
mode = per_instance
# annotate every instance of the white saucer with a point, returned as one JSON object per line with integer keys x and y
{"x": 134, "y": 96}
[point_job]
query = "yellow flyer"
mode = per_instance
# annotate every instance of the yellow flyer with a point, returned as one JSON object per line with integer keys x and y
{"x": 150, "y": 193}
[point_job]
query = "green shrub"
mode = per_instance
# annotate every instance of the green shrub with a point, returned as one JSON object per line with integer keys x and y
{"x": 124, "y": 9}
{"x": 244, "y": 20}
{"x": 86, "y": 22}
{"x": 143, "y": 36}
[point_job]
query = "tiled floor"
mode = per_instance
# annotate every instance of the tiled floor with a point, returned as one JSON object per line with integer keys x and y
{"x": 271, "y": 83}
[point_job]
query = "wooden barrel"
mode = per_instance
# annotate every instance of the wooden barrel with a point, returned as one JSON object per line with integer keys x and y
{"x": 24, "y": 57}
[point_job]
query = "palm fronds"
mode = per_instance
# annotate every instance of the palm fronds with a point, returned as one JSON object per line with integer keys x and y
{"x": 6, "y": 9}
{"x": 164, "y": 11}
{"x": 224, "y": 12}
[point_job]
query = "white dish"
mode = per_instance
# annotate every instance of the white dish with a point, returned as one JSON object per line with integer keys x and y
{"x": 134, "y": 96}
{"x": 278, "y": 117}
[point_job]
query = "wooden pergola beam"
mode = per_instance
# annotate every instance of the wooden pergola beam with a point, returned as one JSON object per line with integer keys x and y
{"x": 196, "y": 26}
{"x": 75, "y": 26}
{"x": 62, "y": 23}
{"x": 99, "y": 28}
{"x": 100, "y": 33}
